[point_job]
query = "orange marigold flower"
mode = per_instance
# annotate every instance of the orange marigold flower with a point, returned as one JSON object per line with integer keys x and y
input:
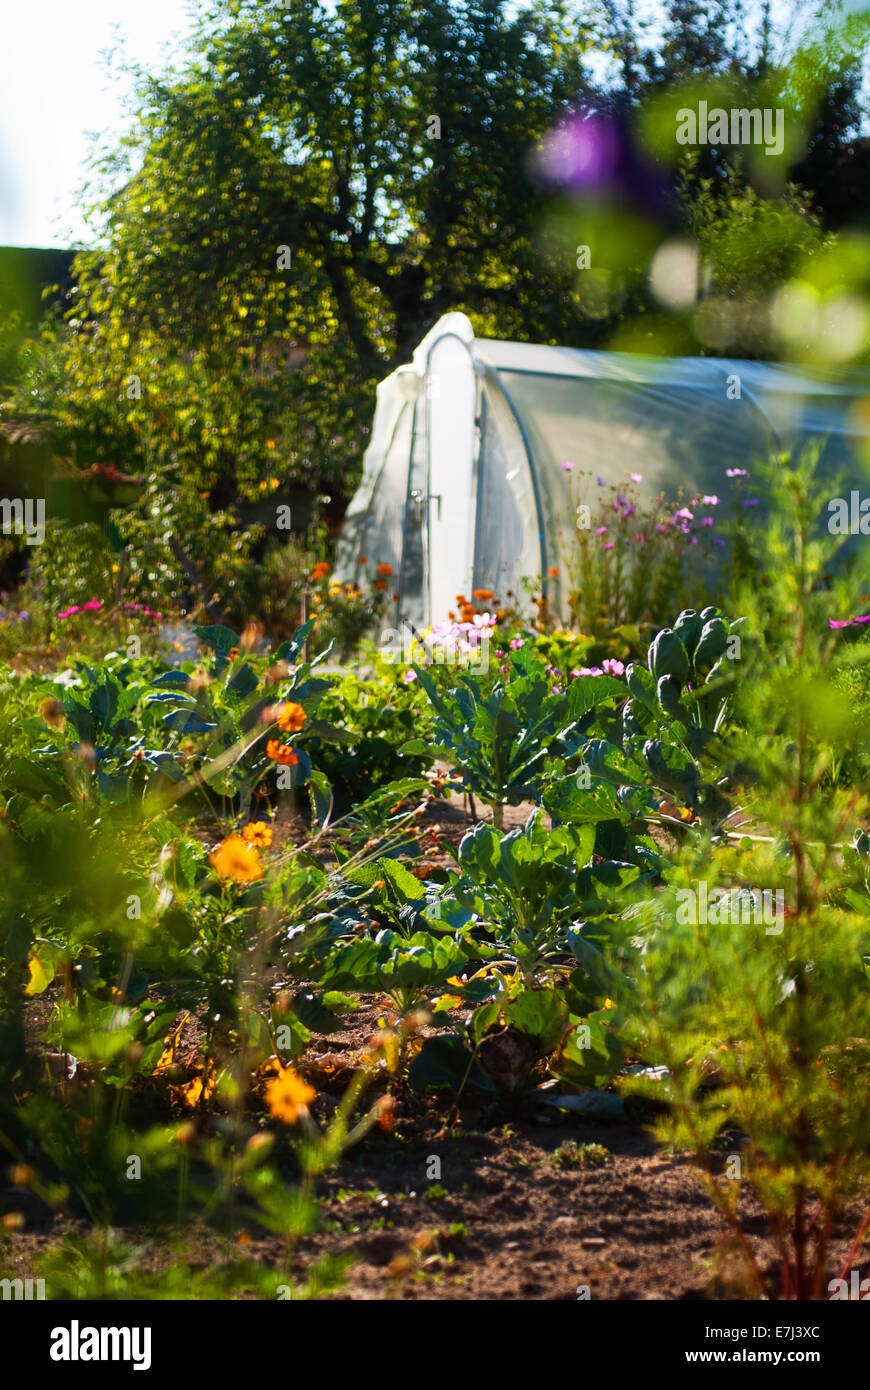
{"x": 258, "y": 833}
{"x": 281, "y": 753}
{"x": 386, "y": 1112}
{"x": 233, "y": 653}
{"x": 288, "y": 1096}
{"x": 554, "y": 572}
{"x": 235, "y": 858}
{"x": 380, "y": 584}
{"x": 385, "y": 569}
{"x": 482, "y": 595}
{"x": 290, "y": 717}
{"x": 363, "y": 559}
{"x": 321, "y": 570}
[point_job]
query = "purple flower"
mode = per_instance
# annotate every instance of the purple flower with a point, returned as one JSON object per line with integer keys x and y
{"x": 601, "y": 530}
{"x": 706, "y": 521}
{"x": 662, "y": 529}
{"x": 609, "y": 545}
{"x": 600, "y": 482}
{"x": 640, "y": 538}
{"x": 583, "y": 151}
{"x": 750, "y": 502}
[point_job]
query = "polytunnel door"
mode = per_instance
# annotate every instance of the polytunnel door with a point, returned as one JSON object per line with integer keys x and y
{"x": 451, "y": 502}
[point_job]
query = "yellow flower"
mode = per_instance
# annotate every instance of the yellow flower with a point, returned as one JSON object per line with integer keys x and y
{"x": 288, "y": 1096}
{"x": 201, "y": 1089}
{"x": 235, "y": 858}
{"x": 258, "y": 833}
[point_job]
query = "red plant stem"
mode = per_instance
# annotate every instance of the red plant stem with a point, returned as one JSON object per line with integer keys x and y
{"x": 862, "y": 1231}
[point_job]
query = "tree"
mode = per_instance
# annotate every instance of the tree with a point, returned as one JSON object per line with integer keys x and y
{"x": 304, "y": 199}
{"x": 300, "y": 199}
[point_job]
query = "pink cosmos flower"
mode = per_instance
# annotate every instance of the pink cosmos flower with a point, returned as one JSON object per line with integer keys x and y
{"x": 612, "y": 667}
{"x": 68, "y": 612}
{"x": 736, "y": 473}
{"x": 710, "y": 501}
{"x": 836, "y": 623}
{"x": 636, "y": 477}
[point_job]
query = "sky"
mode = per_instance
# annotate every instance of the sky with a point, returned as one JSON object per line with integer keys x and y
{"x": 54, "y": 89}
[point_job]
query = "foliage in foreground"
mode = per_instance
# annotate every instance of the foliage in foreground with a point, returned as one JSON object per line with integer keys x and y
{"x": 169, "y": 948}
